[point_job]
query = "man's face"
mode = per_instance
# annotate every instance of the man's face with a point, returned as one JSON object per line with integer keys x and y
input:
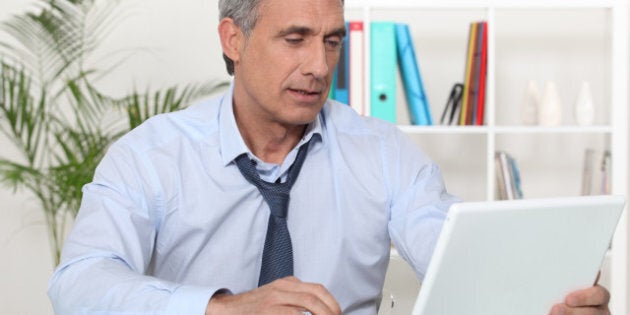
{"x": 284, "y": 69}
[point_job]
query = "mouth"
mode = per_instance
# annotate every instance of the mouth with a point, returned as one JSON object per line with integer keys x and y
{"x": 306, "y": 92}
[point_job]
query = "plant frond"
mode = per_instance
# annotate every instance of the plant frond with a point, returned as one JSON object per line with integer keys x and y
{"x": 23, "y": 113}
{"x": 16, "y": 175}
{"x": 140, "y": 107}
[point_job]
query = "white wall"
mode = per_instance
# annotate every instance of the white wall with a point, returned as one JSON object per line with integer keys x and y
{"x": 181, "y": 46}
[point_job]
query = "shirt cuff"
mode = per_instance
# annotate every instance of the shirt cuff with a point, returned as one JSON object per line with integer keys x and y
{"x": 189, "y": 299}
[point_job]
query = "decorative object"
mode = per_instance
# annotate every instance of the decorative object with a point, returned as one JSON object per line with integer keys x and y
{"x": 531, "y": 102}
{"x": 584, "y": 108}
{"x": 550, "y": 109}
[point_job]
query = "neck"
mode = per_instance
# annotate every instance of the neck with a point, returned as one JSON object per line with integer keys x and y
{"x": 269, "y": 141}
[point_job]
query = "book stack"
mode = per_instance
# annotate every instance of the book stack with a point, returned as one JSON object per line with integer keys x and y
{"x": 390, "y": 45}
{"x": 596, "y": 172}
{"x": 508, "y": 177}
{"x": 474, "y": 95}
{"x": 466, "y": 103}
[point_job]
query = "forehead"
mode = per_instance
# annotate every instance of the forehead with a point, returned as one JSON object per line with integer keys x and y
{"x": 308, "y": 13}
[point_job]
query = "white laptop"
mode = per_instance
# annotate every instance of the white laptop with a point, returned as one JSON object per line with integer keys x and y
{"x": 517, "y": 257}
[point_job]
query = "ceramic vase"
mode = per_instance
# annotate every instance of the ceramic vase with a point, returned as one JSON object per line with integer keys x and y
{"x": 531, "y": 102}
{"x": 550, "y": 109}
{"x": 584, "y": 108}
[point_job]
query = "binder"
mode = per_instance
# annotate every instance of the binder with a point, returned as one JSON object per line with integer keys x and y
{"x": 467, "y": 74}
{"x": 481, "y": 96}
{"x": 473, "y": 100}
{"x": 356, "y": 61}
{"x": 383, "y": 71}
{"x": 412, "y": 80}
{"x": 333, "y": 84}
{"x": 342, "y": 74}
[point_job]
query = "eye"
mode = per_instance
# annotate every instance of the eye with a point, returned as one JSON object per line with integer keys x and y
{"x": 333, "y": 43}
{"x": 293, "y": 40}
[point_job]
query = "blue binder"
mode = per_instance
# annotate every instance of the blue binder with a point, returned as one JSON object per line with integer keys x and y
{"x": 383, "y": 71}
{"x": 342, "y": 75}
{"x": 412, "y": 81}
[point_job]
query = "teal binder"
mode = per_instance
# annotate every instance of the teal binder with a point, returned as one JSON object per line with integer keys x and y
{"x": 383, "y": 71}
{"x": 414, "y": 89}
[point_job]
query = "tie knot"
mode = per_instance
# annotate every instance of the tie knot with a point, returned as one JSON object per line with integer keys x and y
{"x": 277, "y": 199}
{"x": 275, "y": 194}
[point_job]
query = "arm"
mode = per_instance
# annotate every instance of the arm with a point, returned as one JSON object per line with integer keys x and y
{"x": 106, "y": 263}
{"x": 419, "y": 204}
{"x": 106, "y": 257}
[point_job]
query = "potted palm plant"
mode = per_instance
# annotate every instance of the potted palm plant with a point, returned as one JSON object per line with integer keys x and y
{"x": 54, "y": 114}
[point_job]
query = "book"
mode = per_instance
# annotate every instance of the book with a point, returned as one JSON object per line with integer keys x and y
{"x": 475, "y": 77}
{"x": 356, "y": 64}
{"x": 508, "y": 177}
{"x": 588, "y": 172}
{"x": 342, "y": 74}
{"x": 417, "y": 102}
{"x": 605, "y": 170}
{"x": 516, "y": 178}
{"x": 481, "y": 95}
{"x": 472, "y": 33}
{"x": 383, "y": 71}
{"x": 596, "y": 172}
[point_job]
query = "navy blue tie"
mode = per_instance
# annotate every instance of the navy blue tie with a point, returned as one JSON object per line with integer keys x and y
{"x": 277, "y": 260}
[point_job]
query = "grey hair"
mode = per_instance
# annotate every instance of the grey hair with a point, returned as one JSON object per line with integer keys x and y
{"x": 244, "y": 13}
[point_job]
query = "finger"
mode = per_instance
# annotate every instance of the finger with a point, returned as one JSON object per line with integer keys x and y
{"x": 324, "y": 295}
{"x": 593, "y": 296}
{"x": 312, "y": 296}
{"x": 558, "y": 309}
{"x": 565, "y": 310}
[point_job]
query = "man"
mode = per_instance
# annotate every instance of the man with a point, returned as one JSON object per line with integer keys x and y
{"x": 177, "y": 221}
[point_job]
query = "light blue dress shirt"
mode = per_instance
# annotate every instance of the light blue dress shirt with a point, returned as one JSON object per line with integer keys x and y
{"x": 169, "y": 219}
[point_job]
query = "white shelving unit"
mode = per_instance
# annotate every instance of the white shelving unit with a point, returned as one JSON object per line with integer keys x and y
{"x": 612, "y": 131}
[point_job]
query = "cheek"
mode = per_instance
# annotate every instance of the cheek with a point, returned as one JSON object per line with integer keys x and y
{"x": 272, "y": 66}
{"x": 332, "y": 60}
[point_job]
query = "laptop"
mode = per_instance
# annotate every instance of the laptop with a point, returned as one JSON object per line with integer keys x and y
{"x": 517, "y": 257}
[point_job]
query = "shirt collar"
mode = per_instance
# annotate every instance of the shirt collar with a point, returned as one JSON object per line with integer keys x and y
{"x": 231, "y": 142}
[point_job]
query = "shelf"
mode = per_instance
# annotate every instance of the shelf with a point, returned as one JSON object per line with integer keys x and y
{"x": 519, "y": 51}
{"x": 410, "y": 129}
{"x": 472, "y": 4}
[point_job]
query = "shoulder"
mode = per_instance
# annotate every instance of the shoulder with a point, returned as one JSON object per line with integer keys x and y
{"x": 343, "y": 119}
{"x": 197, "y": 122}
{"x": 343, "y": 122}
{"x": 371, "y": 135}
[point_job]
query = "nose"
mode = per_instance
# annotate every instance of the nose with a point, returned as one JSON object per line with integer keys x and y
{"x": 316, "y": 62}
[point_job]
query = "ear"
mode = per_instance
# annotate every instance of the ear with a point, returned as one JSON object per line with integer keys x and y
{"x": 231, "y": 36}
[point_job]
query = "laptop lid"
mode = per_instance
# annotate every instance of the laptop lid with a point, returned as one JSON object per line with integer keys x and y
{"x": 517, "y": 257}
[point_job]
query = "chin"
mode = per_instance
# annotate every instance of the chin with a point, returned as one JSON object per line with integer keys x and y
{"x": 302, "y": 117}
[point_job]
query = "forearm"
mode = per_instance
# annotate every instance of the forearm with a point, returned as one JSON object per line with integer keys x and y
{"x": 107, "y": 285}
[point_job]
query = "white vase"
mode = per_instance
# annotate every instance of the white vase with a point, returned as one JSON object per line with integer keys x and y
{"x": 584, "y": 108}
{"x": 550, "y": 109}
{"x": 531, "y": 102}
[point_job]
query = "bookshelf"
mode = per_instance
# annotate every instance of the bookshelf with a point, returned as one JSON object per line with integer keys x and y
{"x": 517, "y": 51}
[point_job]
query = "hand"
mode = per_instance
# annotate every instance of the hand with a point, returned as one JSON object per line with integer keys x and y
{"x": 284, "y": 296}
{"x": 591, "y": 301}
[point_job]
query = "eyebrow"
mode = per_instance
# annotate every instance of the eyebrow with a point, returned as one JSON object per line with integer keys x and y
{"x": 303, "y": 30}
{"x": 341, "y": 32}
